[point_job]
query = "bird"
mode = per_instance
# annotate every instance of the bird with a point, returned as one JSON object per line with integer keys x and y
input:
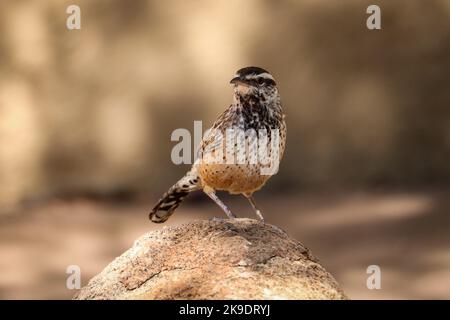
{"x": 256, "y": 111}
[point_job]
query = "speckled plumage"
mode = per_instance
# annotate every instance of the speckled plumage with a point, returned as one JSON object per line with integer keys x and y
{"x": 256, "y": 108}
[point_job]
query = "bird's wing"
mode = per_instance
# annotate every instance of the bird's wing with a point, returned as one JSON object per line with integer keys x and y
{"x": 214, "y": 140}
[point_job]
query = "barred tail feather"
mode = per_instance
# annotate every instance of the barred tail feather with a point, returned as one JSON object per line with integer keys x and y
{"x": 167, "y": 205}
{"x": 172, "y": 198}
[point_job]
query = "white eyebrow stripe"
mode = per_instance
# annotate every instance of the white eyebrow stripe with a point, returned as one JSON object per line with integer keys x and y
{"x": 264, "y": 75}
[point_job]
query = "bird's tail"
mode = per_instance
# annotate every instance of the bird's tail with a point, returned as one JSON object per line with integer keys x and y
{"x": 172, "y": 198}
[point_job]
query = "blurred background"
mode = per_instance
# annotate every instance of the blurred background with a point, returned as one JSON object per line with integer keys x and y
{"x": 86, "y": 117}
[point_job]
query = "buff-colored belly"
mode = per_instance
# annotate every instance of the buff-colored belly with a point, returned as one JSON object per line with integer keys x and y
{"x": 245, "y": 178}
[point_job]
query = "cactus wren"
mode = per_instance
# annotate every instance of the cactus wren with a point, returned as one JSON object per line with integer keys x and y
{"x": 256, "y": 108}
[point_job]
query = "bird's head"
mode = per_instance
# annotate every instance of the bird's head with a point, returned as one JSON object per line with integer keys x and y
{"x": 253, "y": 81}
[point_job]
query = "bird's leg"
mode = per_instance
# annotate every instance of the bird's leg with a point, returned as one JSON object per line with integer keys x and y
{"x": 212, "y": 194}
{"x": 253, "y": 203}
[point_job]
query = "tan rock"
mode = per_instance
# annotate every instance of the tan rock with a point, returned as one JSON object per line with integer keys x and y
{"x": 214, "y": 259}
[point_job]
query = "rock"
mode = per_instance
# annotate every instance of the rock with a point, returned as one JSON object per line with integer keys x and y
{"x": 214, "y": 259}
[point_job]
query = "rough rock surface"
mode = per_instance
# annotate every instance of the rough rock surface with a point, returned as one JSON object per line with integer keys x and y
{"x": 214, "y": 259}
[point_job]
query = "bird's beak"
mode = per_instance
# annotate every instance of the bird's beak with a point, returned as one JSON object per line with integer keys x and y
{"x": 234, "y": 80}
{"x": 241, "y": 85}
{"x": 238, "y": 81}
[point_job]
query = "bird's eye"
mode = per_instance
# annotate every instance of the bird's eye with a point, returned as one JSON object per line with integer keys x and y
{"x": 260, "y": 81}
